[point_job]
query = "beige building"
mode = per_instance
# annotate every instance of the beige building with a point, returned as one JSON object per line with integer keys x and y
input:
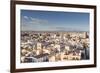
{"x": 52, "y": 59}
{"x": 67, "y": 48}
{"x": 39, "y": 46}
{"x": 70, "y": 57}
{"x": 57, "y": 46}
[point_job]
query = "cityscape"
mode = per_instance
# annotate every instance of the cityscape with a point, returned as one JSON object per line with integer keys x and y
{"x": 54, "y": 46}
{"x": 54, "y": 36}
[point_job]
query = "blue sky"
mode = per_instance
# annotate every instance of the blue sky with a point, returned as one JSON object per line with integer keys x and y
{"x": 32, "y": 20}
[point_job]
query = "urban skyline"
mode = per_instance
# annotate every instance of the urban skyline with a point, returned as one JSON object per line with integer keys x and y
{"x": 54, "y": 46}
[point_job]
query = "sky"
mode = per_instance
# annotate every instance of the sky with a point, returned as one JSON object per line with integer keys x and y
{"x": 32, "y": 20}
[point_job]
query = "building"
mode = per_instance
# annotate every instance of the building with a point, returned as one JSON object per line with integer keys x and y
{"x": 67, "y": 48}
{"x": 57, "y": 46}
{"x": 52, "y": 59}
{"x": 39, "y": 46}
{"x": 37, "y": 58}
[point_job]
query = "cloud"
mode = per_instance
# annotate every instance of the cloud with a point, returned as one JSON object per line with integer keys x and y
{"x": 38, "y": 21}
{"x": 34, "y": 21}
{"x": 25, "y": 17}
